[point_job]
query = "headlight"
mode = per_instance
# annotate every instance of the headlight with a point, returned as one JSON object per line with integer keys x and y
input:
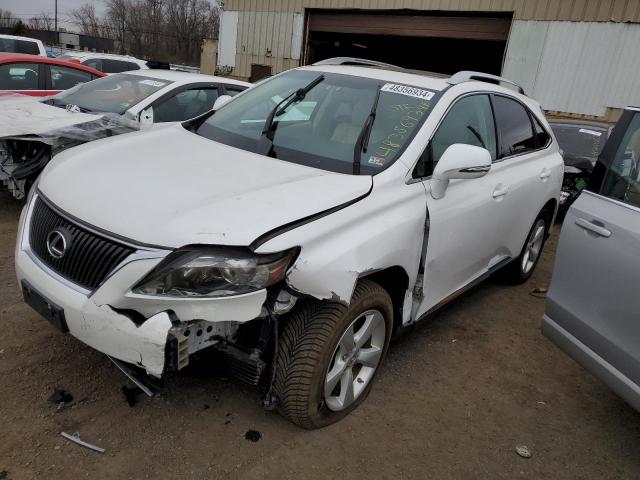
{"x": 215, "y": 272}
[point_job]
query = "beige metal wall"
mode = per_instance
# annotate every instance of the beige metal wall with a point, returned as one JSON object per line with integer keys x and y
{"x": 264, "y": 38}
{"x": 573, "y": 10}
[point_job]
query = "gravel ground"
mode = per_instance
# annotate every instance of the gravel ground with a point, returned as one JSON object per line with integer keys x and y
{"x": 454, "y": 399}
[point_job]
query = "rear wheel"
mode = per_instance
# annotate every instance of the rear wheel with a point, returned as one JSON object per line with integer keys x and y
{"x": 329, "y": 355}
{"x": 522, "y": 268}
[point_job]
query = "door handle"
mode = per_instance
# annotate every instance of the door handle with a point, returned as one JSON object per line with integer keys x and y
{"x": 545, "y": 173}
{"x": 592, "y": 227}
{"x": 500, "y": 190}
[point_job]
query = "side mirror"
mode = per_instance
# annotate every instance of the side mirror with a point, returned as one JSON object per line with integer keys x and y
{"x": 220, "y": 101}
{"x": 459, "y": 161}
{"x": 146, "y": 116}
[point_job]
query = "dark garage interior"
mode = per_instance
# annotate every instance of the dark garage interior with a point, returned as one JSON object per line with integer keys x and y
{"x": 433, "y": 42}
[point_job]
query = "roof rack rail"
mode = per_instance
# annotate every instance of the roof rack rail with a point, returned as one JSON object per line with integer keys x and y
{"x": 355, "y": 61}
{"x": 467, "y": 76}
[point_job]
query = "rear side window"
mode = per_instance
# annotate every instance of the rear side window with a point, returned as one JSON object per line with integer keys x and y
{"x": 542, "y": 137}
{"x": 19, "y": 76}
{"x": 63, "y": 78}
{"x": 114, "y": 66}
{"x": 514, "y": 125}
{"x": 133, "y": 66}
{"x": 19, "y": 46}
{"x": 622, "y": 180}
{"x": 469, "y": 121}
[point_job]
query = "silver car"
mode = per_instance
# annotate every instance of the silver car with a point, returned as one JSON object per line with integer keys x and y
{"x": 593, "y": 305}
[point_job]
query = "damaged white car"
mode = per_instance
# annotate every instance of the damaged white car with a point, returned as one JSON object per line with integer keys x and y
{"x": 33, "y": 129}
{"x": 295, "y": 230}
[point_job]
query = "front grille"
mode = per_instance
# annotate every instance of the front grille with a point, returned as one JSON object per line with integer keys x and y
{"x": 88, "y": 258}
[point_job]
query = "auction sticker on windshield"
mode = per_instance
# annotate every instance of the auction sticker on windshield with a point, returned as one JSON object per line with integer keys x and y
{"x": 409, "y": 91}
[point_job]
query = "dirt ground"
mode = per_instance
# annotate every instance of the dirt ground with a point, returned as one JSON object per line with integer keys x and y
{"x": 453, "y": 400}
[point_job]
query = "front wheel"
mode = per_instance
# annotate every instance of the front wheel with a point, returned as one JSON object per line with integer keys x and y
{"x": 329, "y": 354}
{"x": 522, "y": 268}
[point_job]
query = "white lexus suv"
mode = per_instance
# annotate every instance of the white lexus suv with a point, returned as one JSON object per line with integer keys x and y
{"x": 294, "y": 231}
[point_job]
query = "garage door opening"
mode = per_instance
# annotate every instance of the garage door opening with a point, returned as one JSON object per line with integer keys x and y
{"x": 435, "y": 42}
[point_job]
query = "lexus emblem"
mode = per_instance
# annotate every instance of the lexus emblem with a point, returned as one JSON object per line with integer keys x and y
{"x": 58, "y": 242}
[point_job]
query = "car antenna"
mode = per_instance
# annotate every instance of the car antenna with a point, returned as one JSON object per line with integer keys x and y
{"x": 363, "y": 138}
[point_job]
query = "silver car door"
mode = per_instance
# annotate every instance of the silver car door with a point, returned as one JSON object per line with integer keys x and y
{"x": 593, "y": 306}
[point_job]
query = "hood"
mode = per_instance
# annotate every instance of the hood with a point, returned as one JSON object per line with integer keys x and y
{"x": 171, "y": 187}
{"x": 23, "y": 115}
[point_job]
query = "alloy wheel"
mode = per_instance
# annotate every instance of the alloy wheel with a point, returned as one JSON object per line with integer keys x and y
{"x": 355, "y": 360}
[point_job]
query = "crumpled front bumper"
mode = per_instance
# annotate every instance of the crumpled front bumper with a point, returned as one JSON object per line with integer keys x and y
{"x": 99, "y": 318}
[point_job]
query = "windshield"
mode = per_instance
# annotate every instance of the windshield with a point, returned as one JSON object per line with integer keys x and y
{"x": 323, "y": 128}
{"x": 580, "y": 141}
{"x": 115, "y": 94}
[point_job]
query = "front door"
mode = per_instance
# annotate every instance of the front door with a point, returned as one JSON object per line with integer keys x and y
{"x": 594, "y": 291}
{"x": 462, "y": 224}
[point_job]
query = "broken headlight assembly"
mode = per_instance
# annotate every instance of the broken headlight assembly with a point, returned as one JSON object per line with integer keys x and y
{"x": 215, "y": 272}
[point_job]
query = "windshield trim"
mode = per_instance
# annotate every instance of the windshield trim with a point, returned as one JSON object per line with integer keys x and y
{"x": 306, "y": 158}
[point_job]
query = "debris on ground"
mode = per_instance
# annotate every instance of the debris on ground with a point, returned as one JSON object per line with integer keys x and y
{"x": 75, "y": 438}
{"x": 523, "y": 451}
{"x": 60, "y": 397}
{"x": 131, "y": 394}
{"x": 540, "y": 292}
{"x": 3, "y": 474}
{"x": 252, "y": 435}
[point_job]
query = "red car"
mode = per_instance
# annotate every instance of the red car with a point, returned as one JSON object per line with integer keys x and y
{"x": 40, "y": 76}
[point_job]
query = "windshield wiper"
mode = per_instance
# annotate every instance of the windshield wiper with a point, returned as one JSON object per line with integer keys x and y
{"x": 363, "y": 138}
{"x": 268, "y": 130}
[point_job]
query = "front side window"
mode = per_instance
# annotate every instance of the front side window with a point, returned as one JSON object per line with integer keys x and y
{"x": 514, "y": 125}
{"x": 469, "y": 121}
{"x": 94, "y": 63}
{"x": 622, "y": 180}
{"x": 185, "y": 105}
{"x": 233, "y": 91}
{"x": 64, "y": 78}
{"x": 19, "y": 76}
{"x": 114, "y": 94}
{"x": 323, "y": 128}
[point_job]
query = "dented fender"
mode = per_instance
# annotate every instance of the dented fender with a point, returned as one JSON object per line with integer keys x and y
{"x": 378, "y": 232}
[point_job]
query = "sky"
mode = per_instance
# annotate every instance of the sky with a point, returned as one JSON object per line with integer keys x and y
{"x": 29, "y": 8}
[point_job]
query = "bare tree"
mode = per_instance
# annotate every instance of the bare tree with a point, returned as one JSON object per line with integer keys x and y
{"x": 41, "y": 22}
{"x": 87, "y": 21}
{"x": 165, "y": 30}
{"x": 7, "y": 19}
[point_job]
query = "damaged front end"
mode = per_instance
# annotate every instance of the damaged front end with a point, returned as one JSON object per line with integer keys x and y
{"x": 33, "y": 132}
{"x": 124, "y": 313}
{"x": 20, "y": 163}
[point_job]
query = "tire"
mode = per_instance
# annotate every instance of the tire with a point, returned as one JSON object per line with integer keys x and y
{"x": 311, "y": 347}
{"x": 520, "y": 269}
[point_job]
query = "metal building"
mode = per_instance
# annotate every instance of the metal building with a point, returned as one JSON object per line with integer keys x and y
{"x": 575, "y": 56}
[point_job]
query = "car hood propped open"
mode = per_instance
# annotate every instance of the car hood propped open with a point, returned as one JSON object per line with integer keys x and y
{"x": 170, "y": 187}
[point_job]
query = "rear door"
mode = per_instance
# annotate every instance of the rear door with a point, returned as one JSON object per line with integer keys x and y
{"x": 528, "y": 173}
{"x": 595, "y": 290}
